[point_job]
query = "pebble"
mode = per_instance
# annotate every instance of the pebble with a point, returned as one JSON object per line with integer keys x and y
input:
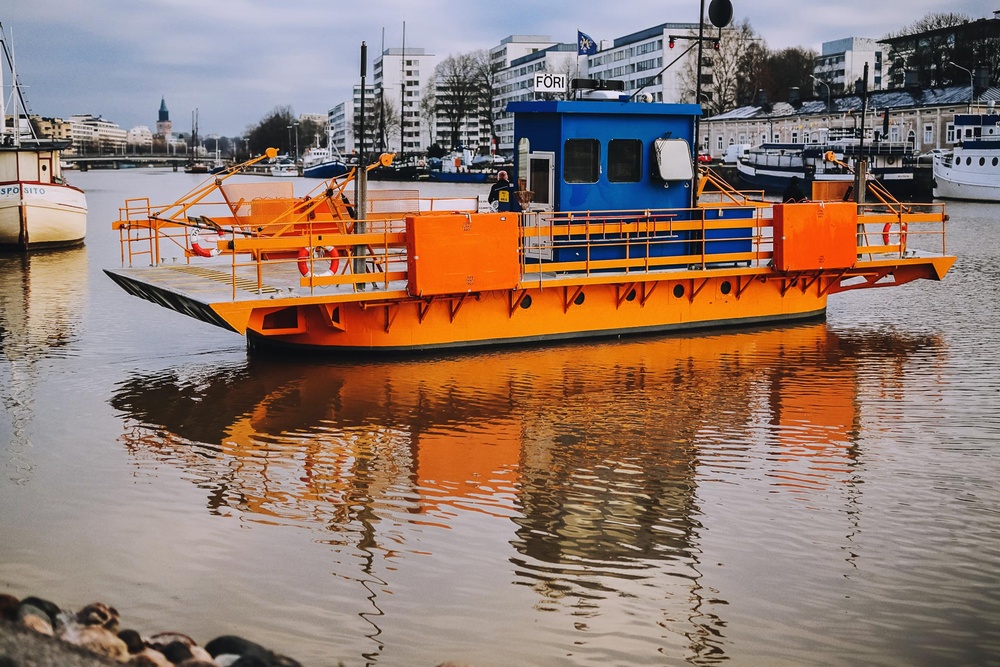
{"x": 95, "y": 629}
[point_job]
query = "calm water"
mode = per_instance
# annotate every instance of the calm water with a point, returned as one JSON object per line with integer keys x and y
{"x": 815, "y": 495}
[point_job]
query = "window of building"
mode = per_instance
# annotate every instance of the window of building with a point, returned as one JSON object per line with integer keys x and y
{"x": 949, "y": 133}
{"x": 582, "y": 159}
{"x": 928, "y": 134}
{"x": 624, "y": 160}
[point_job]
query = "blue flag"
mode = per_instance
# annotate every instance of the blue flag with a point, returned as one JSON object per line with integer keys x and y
{"x": 584, "y": 44}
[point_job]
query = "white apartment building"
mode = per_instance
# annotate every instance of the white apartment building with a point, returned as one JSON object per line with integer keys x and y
{"x": 139, "y": 136}
{"x": 843, "y": 62}
{"x": 516, "y": 82}
{"x": 93, "y": 133}
{"x": 402, "y": 74}
{"x": 638, "y": 58}
{"x": 341, "y": 132}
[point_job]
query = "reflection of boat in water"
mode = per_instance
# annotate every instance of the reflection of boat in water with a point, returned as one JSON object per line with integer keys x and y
{"x": 613, "y": 242}
{"x": 589, "y": 456}
{"x": 972, "y": 169}
{"x": 434, "y": 413}
{"x": 39, "y": 318}
{"x": 38, "y": 209}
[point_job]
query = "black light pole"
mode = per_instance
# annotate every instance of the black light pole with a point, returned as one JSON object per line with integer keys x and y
{"x": 720, "y": 13}
{"x": 361, "y": 181}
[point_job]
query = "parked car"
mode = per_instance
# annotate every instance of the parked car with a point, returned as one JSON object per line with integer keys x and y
{"x": 928, "y": 157}
{"x": 704, "y": 158}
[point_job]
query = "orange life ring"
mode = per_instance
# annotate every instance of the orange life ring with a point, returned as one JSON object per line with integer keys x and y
{"x": 309, "y": 256}
{"x": 200, "y": 250}
{"x": 902, "y": 234}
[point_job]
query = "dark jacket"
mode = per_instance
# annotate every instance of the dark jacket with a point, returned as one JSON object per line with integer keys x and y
{"x": 503, "y": 193}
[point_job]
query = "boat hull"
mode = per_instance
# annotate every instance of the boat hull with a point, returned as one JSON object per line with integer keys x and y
{"x": 963, "y": 177}
{"x": 325, "y": 170}
{"x": 503, "y": 317}
{"x": 41, "y": 215}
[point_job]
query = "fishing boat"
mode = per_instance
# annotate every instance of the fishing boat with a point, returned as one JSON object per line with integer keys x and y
{"x": 38, "y": 208}
{"x": 771, "y": 166}
{"x": 972, "y": 169}
{"x": 619, "y": 235}
{"x": 323, "y": 163}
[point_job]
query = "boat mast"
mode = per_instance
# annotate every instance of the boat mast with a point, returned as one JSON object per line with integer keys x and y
{"x": 402, "y": 94}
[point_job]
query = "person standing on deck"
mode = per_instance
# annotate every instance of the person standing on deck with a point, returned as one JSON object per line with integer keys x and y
{"x": 502, "y": 195}
{"x": 793, "y": 193}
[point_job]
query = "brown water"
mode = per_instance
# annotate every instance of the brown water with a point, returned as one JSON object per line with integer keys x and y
{"x": 822, "y": 494}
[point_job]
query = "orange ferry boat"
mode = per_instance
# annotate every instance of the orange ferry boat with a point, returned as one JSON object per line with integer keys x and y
{"x": 618, "y": 235}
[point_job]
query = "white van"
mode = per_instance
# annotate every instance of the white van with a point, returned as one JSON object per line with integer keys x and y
{"x": 733, "y": 152}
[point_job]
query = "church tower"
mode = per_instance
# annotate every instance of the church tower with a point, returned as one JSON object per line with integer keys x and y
{"x": 164, "y": 127}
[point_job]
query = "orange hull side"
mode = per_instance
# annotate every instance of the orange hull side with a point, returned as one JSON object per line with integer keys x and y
{"x": 535, "y": 314}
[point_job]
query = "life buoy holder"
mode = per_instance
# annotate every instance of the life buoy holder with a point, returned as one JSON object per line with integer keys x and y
{"x": 203, "y": 247}
{"x": 890, "y": 160}
{"x": 886, "y": 236}
{"x": 314, "y": 256}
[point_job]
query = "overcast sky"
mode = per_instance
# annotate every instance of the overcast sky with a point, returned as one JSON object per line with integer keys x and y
{"x": 236, "y": 60}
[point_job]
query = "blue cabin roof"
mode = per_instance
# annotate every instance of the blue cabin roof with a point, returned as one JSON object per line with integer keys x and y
{"x": 603, "y": 155}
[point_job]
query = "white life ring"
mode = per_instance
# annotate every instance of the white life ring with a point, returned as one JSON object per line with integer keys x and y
{"x": 310, "y": 256}
{"x": 204, "y": 247}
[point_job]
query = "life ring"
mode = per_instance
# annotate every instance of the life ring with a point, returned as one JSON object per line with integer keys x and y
{"x": 902, "y": 234}
{"x": 890, "y": 160}
{"x": 309, "y": 256}
{"x": 201, "y": 250}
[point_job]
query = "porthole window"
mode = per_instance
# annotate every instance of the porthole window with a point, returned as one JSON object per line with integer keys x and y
{"x": 678, "y": 291}
{"x": 726, "y": 287}
{"x": 630, "y": 296}
{"x": 526, "y": 301}
{"x": 579, "y": 299}
{"x": 995, "y": 160}
{"x": 982, "y": 161}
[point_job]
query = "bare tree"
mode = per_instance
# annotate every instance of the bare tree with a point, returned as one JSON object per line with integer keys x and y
{"x": 486, "y": 75}
{"x": 724, "y": 73}
{"x": 458, "y": 93}
{"x": 923, "y": 49}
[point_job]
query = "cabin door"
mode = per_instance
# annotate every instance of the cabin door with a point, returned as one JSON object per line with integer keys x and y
{"x": 541, "y": 180}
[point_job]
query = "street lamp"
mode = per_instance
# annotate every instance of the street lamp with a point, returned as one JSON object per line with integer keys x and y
{"x": 828, "y": 103}
{"x": 295, "y": 124}
{"x": 972, "y": 83}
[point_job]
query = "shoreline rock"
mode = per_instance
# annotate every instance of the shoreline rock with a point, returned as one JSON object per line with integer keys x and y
{"x": 35, "y": 632}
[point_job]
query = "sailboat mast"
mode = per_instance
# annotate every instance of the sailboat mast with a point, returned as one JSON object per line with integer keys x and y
{"x": 402, "y": 95}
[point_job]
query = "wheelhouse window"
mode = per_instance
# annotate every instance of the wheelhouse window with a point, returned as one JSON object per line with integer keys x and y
{"x": 624, "y": 160}
{"x": 582, "y": 160}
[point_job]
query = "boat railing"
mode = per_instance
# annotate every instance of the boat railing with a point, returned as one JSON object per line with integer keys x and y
{"x": 303, "y": 254}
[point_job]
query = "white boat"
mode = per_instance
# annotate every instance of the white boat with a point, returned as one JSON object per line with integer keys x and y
{"x": 972, "y": 169}
{"x": 38, "y": 209}
{"x": 284, "y": 166}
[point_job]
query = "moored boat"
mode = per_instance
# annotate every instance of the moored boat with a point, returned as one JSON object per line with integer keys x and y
{"x": 325, "y": 163}
{"x": 972, "y": 169}
{"x": 619, "y": 235}
{"x": 284, "y": 166}
{"x": 770, "y": 167}
{"x": 38, "y": 208}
